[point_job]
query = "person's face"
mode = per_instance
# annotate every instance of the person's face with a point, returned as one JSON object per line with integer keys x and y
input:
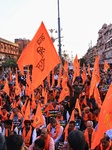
{"x": 27, "y": 126}
{"x": 104, "y": 143}
{"x": 59, "y": 115}
{"x": 44, "y": 133}
{"x": 3, "y": 111}
{"x": 15, "y": 111}
{"x": 53, "y": 124}
{"x": 86, "y": 111}
{"x": 76, "y": 112}
{"x": 71, "y": 127}
{"x": 89, "y": 126}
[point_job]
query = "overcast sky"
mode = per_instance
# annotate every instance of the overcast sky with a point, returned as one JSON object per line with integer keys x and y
{"x": 80, "y": 21}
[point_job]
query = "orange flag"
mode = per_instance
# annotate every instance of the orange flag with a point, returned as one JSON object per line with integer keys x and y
{"x": 84, "y": 77}
{"x": 106, "y": 66}
{"x": 95, "y": 76}
{"x": 97, "y": 97}
{"x": 17, "y": 87}
{"x": 78, "y": 107}
{"x": 66, "y": 128}
{"x": 45, "y": 56}
{"x": 65, "y": 66}
{"x": 6, "y": 87}
{"x": 89, "y": 72}
{"x": 65, "y": 89}
{"x": 38, "y": 118}
{"x": 40, "y": 53}
{"x": 105, "y": 118}
{"x": 27, "y": 112}
{"x": 76, "y": 66}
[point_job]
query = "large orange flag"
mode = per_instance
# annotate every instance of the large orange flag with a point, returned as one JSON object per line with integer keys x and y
{"x": 76, "y": 66}
{"x": 45, "y": 56}
{"x": 106, "y": 66}
{"x": 95, "y": 76}
{"x": 105, "y": 118}
{"x": 6, "y": 87}
{"x": 40, "y": 53}
{"x": 38, "y": 118}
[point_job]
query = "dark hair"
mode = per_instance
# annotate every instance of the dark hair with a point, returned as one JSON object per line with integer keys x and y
{"x": 76, "y": 140}
{"x": 52, "y": 120}
{"x": 72, "y": 122}
{"x": 2, "y": 142}
{"x": 14, "y": 142}
{"x": 40, "y": 143}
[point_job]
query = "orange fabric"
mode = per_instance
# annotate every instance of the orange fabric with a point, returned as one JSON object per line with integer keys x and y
{"x": 47, "y": 142}
{"x": 89, "y": 72}
{"x": 57, "y": 133}
{"x": 19, "y": 116}
{"x": 95, "y": 76}
{"x": 87, "y": 137}
{"x": 5, "y": 116}
{"x": 60, "y": 119}
{"x": 65, "y": 91}
{"x": 108, "y": 148}
{"x": 38, "y": 118}
{"x": 78, "y": 107}
{"x": 27, "y": 112}
{"x": 27, "y": 137}
{"x": 84, "y": 77}
{"x": 17, "y": 87}
{"x": 49, "y": 107}
{"x": 76, "y": 66}
{"x": 72, "y": 118}
{"x": 6, "y": 87}
{"x": 65, "y": 66}
{"x": 106, "y": 66}
{"x": 97, "y": 97}
{"x": 105, "y": 118}
{"x": 88, "y": 116}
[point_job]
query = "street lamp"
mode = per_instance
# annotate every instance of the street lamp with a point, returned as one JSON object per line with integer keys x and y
{"x": 59, "y": 30}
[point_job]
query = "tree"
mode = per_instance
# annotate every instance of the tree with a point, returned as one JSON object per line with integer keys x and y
{"x": 10, "y": 62}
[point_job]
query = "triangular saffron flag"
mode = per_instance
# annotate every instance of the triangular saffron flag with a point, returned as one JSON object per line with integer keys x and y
{"x": 45, "y": 56}
{"x": 72, "y": 118}
{"x": 38, "y": 118}
{"x": 95, "y": 76}
{"x": 97, "y": 97}
{"x": 88, "y": 69}
{"x": 27, "y": 114}
{"x": 105, "y": 118}
{"x": 6, "y": 87}
{"x": 106, "y": 66}
{"x": 76, "y": 66}
{"x": 78, "y": 107}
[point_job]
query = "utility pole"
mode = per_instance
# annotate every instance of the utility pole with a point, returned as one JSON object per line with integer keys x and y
{"x": 59, "y": 31}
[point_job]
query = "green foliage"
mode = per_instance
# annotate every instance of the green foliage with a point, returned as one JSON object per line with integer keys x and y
{"x": 10, "y": 62}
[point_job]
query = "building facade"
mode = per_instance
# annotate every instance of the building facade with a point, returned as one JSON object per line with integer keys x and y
{"x": 8, "y": 50}
{"x": 22, "y": 43}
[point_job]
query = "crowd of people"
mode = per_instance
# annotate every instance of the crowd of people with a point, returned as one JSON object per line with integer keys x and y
{"x": 69, "y": 124}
